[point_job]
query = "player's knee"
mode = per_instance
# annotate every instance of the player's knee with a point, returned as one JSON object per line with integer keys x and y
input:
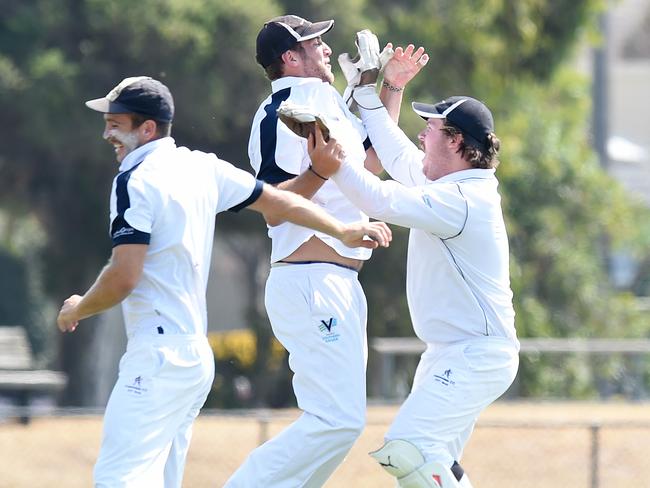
{"x": 351, "y": 430}
{"x": 406, "y": 462}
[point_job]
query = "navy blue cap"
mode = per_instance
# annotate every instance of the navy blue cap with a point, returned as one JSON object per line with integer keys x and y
{"x": 471, "y": 116}
{"x": 282, "y": 33}
{"x": 137, "y": 95}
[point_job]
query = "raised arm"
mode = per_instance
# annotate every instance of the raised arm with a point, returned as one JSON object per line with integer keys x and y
{"x": 404, "y": 65}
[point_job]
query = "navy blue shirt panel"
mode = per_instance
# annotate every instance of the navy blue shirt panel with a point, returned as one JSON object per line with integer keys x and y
{"x": 367, "y": 144}
{"x": 121, "y": 231}
{"x": 269, "y": 171}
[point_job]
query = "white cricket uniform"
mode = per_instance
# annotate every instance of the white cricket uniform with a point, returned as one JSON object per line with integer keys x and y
{"x": 317, "y": 310}
{"x": 165, "y": 197}
{"x": 458, "y": 287}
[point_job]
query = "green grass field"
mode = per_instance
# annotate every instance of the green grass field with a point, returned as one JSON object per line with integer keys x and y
{"x": 515, "y": 445}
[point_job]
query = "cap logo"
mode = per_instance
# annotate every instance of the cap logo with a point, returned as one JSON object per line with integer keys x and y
{"x": 290, "y": 29}
{"x": 115, "y": 92}
{"x": 452, "y": 107}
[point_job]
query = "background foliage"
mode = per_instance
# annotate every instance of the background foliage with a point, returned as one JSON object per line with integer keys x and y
{"x": 564, "y": 214}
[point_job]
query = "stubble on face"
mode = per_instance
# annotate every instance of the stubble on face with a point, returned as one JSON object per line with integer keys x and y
{"x": 123, "y": 141}
{"x": 315, "y": 56}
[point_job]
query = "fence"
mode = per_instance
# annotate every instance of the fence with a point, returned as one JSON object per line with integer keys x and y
{"x": 515, "y": 445}
{"x": 393, "y": 379}
{"x": 588, "y": 471}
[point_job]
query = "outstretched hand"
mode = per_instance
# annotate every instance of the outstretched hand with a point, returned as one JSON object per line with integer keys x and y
{"x": 326, "y": 157}
{"x": 367, "y": 234}
{"x": 404, "y": 65}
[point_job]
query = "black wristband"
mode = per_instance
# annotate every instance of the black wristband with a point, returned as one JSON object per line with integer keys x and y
{"x": 392, "y": 88}
{"x": 313, "y": 171}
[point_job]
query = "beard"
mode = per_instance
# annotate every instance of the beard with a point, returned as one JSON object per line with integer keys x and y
{"x": 318, "y": 70}
{"x": 127, "y": 140}
{"x": 326, "y": 75}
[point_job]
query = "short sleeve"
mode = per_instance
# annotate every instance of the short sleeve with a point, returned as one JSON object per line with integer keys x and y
{"x": 281, "y": 152}
{"x": 237, "y": 188}
{"x": 131, "y": 210}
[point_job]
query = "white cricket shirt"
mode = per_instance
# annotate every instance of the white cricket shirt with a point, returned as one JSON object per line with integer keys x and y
{"x": 458, "y": 283}
{"x": 167, "y": 197}
{"x": 277, "y": 154}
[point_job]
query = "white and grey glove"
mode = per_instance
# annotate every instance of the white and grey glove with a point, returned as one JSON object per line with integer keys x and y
{"x": 302, "y": 120}
{"x": 365, "y": 67}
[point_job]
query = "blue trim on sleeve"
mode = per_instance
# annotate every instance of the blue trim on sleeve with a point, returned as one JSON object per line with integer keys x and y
{"x": 257, "y": 191}
{"x": 121, "y": 231}
{"x": 269, "y": 171}
{"x": 367, "y": 144}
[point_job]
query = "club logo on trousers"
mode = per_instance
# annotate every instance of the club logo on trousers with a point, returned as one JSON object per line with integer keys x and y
{"x": 445, "y": 378}
{"x": 136, "y": 387}
{"x": 327, "y": 330}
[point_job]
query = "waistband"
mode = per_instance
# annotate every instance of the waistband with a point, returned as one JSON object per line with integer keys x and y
{"x": 137, "y": 340}
{"x": 158, "y": 329}
{"x": 280, "y": 263}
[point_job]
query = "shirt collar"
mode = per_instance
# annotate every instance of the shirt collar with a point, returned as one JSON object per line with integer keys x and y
{"x": 468, "y": 173}
{"x": 136, "y": 156}
{"x": 288, "y": 81}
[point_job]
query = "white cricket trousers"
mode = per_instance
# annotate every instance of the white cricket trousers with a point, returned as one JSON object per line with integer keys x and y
{"x": 318, "y": 312}
{"x": 453, "y": 384}
{"x": 162, "y": 384}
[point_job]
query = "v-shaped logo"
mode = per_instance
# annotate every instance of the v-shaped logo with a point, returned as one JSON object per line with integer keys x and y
{"x": 328, "y": 325}
{"x": 328, "y": 330}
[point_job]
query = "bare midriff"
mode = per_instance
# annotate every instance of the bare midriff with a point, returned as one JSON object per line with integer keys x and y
{"x": 316, "y": 250}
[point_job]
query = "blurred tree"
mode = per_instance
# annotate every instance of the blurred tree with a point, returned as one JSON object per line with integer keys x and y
{"x": 561, "y": 208}
{"x": 563, "y": 211}
{"x": 54, "y": 54}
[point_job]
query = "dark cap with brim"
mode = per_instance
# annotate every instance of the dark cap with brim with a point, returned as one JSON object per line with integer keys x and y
{"x": 137, "y": 95}
{"x": 471, "y": 116}
{"x": 282, "y": 33}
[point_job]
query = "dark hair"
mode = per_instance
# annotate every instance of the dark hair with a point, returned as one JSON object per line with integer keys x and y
{"x": 473, "y": 155}
{"x": 275, "y": 70}
{"x": 163, "y": 129}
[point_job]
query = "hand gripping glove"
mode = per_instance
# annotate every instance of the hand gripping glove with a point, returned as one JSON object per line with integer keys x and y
{"x": 302, "y": 120}
{"x": 364, "y": 68}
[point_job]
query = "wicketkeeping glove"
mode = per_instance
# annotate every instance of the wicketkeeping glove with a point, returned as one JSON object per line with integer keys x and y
{"x": 302, "y": 119}
{"x": 365, "y": 67}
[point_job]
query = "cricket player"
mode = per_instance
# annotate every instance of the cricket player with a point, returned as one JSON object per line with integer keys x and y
{"x": 162, "y": 216}
{"x": 458, "y": 285}
{"x": 313, "y": 297}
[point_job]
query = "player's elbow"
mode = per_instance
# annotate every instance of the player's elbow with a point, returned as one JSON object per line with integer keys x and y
{"x": 122, "y": 280}
{"x": 275, "y": 205}
{"x": 273, "y": 220}
{"x": 123, "y": 286}
{"x": 129, "y": 284}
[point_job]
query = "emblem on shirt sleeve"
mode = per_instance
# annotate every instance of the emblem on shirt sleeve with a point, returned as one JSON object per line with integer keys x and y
{"x": 124, "y": 231}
